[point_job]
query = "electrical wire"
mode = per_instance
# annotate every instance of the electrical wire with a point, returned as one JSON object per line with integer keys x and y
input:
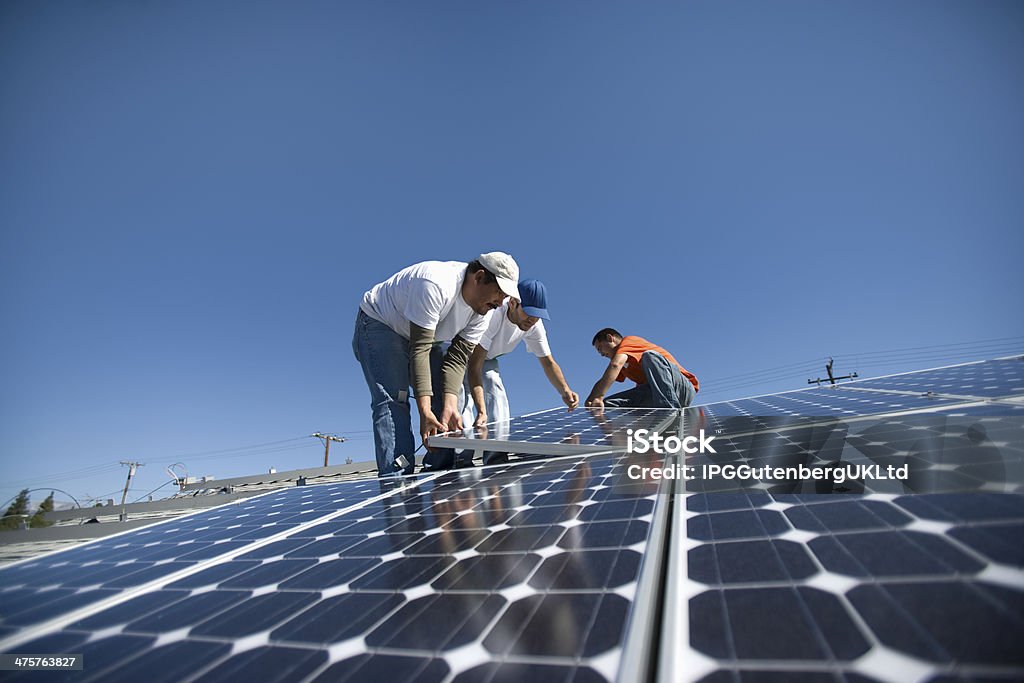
{"x": 172, "y": 481}
{"x": 870, "y": 361}
{"x": 69, "y": 474}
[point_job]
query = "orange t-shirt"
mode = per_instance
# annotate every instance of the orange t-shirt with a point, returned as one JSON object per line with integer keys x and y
{"x": 634, "y": 348}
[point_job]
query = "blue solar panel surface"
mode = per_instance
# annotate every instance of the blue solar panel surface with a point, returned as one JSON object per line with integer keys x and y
{"x": 806, "y": 406}
{"x": 42, "y": 589}
{"x": 988, "y": 379}
{"x": 526, "y": 568}
{"x": 854, "y": 588}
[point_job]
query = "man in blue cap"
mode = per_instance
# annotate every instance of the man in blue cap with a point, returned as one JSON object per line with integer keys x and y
{"x": 513, "y": 322}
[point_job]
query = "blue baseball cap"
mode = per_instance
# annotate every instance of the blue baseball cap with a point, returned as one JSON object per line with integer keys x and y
{"x": 534, "y": 298}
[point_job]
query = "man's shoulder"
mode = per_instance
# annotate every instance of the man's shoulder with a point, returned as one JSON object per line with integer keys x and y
{"x": 637, "y": 342}
{"x": 435, "y": 270}
{"x": 443, "y": 276}
{"x": 538, "y": 331}
{"x": 632, "y": 345}
{"x": 496, "y": 320}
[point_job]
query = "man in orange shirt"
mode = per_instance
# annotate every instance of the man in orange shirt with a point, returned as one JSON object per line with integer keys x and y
{"x": 661, "y": 382}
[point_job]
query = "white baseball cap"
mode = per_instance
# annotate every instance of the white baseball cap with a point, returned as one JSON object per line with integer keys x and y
{"x": 504, "y": 268}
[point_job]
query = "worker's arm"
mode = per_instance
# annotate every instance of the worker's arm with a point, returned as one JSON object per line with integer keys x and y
{"x": 557, "y": 379}
{"x": 453, "y": 370}
{"x": 420, "y": 341}
{"x": 611, "y": 373}
{"x": 476, "y": 384}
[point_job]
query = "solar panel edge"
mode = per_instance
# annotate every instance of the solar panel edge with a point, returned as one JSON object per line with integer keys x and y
{"x": 516, "y": 446}
{"x": 461, "y": 440}
{"x": 898, "y": 392}
{"x": 826, "y": 419}
{"x": 636, "y": 662}
{"x": 59, "y": 622}
{"x": 677, "y": 659}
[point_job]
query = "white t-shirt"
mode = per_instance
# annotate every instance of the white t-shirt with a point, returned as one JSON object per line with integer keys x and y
{"x": 430, "y": 295}
{"x": 503, "y": 335}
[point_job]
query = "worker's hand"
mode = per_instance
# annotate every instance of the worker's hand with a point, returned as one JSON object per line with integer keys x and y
{"x": 429, "y": 426}
{"x": 451, "y": 419}
{"x": 596, "y": 404}
{"x": 571, "y": 398}
{"x": 480, "y": 421}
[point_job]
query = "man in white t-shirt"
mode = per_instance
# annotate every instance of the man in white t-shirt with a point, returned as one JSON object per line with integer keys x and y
{"x": 513, "y": 322}
{"x": 399, "y": 328}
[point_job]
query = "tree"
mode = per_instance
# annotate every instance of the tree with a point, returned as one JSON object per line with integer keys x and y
{"x": 16, "y": 513}
{"x": 37, "y": 519}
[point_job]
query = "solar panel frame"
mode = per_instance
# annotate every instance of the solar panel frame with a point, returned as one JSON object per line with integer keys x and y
{"x": 658, "y": 419}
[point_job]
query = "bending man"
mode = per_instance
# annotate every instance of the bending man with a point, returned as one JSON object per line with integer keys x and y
{"x": 514, "y": 322}
{"x": 399, "y": 322}
{"x": 661, "y": 382}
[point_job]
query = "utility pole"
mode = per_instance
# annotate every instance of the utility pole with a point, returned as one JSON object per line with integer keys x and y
{"x": 132, "y": 467}
{"x": 327, "y": 439}
{"x": 831, "y": 378}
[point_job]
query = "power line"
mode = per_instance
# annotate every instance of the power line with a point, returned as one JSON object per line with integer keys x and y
{"x": 154, "y": 490}
{"x": 1019, "y": 339}
{"x": 70, "y": 474}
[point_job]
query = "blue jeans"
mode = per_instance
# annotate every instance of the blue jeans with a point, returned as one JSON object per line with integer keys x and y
{"x": 384, "y": 355}
{"x": 666, "y": 387}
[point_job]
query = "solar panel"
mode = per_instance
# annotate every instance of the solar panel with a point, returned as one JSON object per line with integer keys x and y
{"x": 868, "y": 587}
{"x": 806, "y": 405}
{"x": 987, "y": 379}
{"x": 967, "y": 447}
{"x": 507, "y": 570}
{"x": 47, "y": 587}
{"x": 787, "y": 584}
{"x": 564, "y": 569}
{"x": 560, "y": 432}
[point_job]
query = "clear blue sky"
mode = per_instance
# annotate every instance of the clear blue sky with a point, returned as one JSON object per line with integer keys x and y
{"x": 195, "y": 195}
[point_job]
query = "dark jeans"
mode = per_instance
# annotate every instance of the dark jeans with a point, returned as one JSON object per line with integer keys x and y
{"x": 666, "y": 387}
